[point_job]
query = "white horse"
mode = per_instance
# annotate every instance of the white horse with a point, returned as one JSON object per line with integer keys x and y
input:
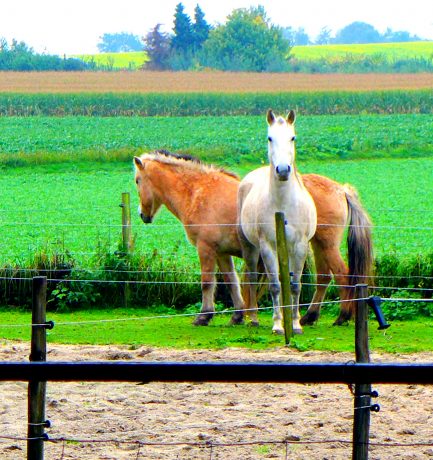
{"x": 263, "y": 192}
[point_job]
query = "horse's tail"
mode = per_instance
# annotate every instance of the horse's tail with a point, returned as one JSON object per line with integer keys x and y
{"x": 359, "y": 240}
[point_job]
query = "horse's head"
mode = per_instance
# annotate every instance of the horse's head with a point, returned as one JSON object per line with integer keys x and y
{"x": 149, "y": 204}
{"x": 281, "y": 144}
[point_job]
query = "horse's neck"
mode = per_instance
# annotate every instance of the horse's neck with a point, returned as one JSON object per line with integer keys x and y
{"x": 173, "y": 190}
{"x": 284, "y": 194}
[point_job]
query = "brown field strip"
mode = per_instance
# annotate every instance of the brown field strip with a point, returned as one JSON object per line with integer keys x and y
{"x": 219, "y": 82}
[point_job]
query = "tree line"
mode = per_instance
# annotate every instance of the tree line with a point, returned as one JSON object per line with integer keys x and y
{"x": 17, "y": 56}
{"x": 247, "y": 41}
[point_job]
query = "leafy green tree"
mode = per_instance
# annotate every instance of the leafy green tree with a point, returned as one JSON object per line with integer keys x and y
{"x": 20, "y": 57}
{"x": 119, "y": 42}
{"x": 324, "y": 36}
{"x": 247, "y": 41}
{"x": 200, "y": 28}
{"x": 357, "y": 32}
{"x": 399, "y": 36}
{"x": 301, "y": 37}
{"x": 157, "y": 47}
{"x": 183, "y": 38}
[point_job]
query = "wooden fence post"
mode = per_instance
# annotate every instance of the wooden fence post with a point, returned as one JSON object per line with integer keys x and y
{"x": 37, "y": 390}
{"x": 126, "y": 222}
{"x": 362, "y": 403}
{"x": 283, "y": 263}
{"x": 126, "y": 239}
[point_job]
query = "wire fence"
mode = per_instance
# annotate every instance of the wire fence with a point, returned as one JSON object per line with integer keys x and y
{"x": 208, "y": 447}
{"x": 212, "y": 450}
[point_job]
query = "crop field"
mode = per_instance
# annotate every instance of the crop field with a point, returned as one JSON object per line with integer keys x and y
{"x": 74, "y": 169}
{"x": 387, "y": 51}
{"x": 229, "y": 141}
{"x": 63, "y": 174}
{"x": 205, "y": 82}
{"x": 132, "y": 60}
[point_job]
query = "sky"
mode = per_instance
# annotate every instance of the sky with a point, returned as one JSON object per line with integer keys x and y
{"x": 67, "y": 27}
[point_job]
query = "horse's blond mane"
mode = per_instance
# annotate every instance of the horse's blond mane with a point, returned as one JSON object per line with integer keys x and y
{"x": 185, "y": 161}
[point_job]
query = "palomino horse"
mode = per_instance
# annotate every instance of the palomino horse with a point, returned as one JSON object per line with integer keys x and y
{"x": 197, "y": 195}
{"x": 262, "y": 193}
{"x": 200, "y": 194}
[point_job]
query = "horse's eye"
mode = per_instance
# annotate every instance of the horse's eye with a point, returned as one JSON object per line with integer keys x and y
{"x": 270, "y": 139}
{"x": 293, "y": 138}
{"x": 136, "y": 181}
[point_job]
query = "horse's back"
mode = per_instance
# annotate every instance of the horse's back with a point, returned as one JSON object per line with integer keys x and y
{"x": 331, "y": 206}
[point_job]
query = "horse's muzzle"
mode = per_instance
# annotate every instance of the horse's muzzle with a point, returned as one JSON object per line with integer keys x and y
{"x": 146, "y": 219}
{"x": 283, "y": 172}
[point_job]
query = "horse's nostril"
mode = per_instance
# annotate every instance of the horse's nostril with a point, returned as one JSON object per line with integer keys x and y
{"x": 283, "y": 171}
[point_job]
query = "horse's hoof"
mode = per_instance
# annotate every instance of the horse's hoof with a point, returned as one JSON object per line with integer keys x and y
{"x": 340, "y": 322}
{"x": 309, "y": 319}
{"x": 237, "y": 322}
{"x": 278, "y": 331}
{"x": 298, "y": 331}
{"x": 202, "y": 320}
{"x": 254, "y": 324}
{"x": 237, "y": 319}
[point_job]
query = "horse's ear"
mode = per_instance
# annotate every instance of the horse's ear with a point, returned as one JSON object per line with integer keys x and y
{"x": 270, "y": 117}
{"x": 138, "y": 163}
{"x": 291, "y": 117}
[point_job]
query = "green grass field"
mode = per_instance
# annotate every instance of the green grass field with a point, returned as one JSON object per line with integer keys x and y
{"x": 73, "y": 206}
{"x": 388, "y": 51}
{"x": 146, "y": 328}
{"x": 132, "y": 60}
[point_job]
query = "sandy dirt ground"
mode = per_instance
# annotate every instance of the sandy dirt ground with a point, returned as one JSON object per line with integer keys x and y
{"x": 211, "y": 421}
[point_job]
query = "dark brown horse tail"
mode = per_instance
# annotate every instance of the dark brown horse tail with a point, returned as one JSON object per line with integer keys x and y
{"x": 359, "y": 240}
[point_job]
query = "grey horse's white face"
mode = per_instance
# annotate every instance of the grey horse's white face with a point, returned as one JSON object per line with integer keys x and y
{"x": 281, "y": 144}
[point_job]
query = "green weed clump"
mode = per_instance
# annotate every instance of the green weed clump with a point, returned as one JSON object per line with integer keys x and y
{"x": 414, "y": 273}
{"x": 153, "y": 280}
{"x": 115, "y": 279}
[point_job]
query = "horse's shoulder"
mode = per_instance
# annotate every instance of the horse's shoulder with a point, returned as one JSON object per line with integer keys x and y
{"x": 256, "y": 174}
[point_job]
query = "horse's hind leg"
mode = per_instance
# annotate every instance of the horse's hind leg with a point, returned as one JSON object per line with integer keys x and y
{"x": 347, "y": 306}
{"x": 251, "y": 257}
{"x": 227, "y": 268}
{"x": 334, "y": 263}
{"x": 323, "y": 278}
{"x": 207, "y": 262}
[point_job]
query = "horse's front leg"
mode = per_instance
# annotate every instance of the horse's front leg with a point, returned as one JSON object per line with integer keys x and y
{"x": 269, "y": 258}
{"x": 226, "y": 265}
{"x": 207, "y": 258}
{"x": 296, "y": 266}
